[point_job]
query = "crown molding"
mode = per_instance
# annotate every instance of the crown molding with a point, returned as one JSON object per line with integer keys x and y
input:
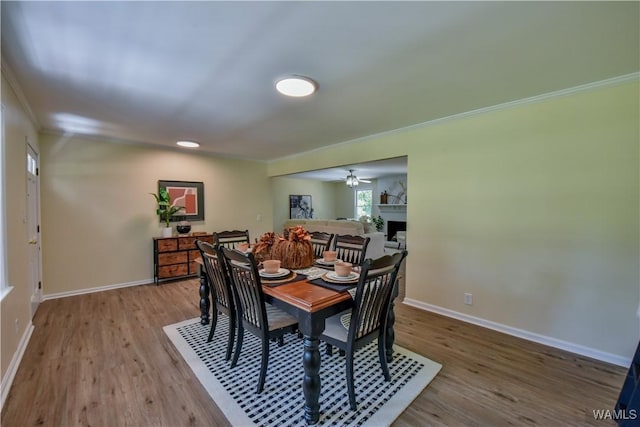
{"x": 614, "y": 81}
{"x": 8, "y": 73}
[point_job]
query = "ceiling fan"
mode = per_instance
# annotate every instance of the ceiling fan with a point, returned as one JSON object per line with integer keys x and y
{"x": 353, "y": 180}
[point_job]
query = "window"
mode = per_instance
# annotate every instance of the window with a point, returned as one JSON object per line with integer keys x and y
{"x": 364, "y": 200}
{"x": 31, "y": 164}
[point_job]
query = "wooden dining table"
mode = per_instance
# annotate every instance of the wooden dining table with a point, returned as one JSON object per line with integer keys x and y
{"x": 311, "y": 304}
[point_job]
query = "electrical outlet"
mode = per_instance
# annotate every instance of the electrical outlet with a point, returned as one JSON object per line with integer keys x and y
{"x": 468, "y": 299}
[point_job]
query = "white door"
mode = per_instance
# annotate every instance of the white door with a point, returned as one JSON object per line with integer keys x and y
{"x": 33, "y": 229}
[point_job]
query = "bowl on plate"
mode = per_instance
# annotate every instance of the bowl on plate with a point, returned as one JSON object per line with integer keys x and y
{"x": 329, "y": 256}
{"x": 271, "y": 266}
{"x": 343, "y": 269}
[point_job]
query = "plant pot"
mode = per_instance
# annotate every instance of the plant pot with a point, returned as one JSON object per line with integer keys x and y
{"x": 167, "y": 232}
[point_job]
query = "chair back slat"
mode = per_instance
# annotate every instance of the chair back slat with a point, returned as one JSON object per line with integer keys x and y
{"x": 321, "y": 242}
{"x": 351, "y": 248}
{"x": 217, "y": 273}
{"x": 229, "y": 239}
{"x": 373, "y": 294}
{"x": 243, "y": 271}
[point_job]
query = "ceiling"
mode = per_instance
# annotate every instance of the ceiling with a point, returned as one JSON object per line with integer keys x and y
{"x": 157, "y": 72}
{"x": 367, "y": 171}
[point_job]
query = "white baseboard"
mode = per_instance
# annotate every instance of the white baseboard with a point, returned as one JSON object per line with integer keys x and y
{"x": 521, "y": 333}
{"x": 98, "y": 289}
{"x": 7, "y": 380}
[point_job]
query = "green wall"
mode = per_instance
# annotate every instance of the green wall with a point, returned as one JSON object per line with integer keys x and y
{"x": 97, "y": 212}
{"x": 533, "y": 209}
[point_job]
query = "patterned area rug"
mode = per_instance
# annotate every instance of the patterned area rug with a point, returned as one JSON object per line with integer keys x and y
{"x": 281, "y": 403}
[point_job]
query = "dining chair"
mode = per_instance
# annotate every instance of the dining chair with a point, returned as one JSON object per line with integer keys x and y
{"x": 366, "y": 321}
{"x": 321, "y": 242}
{"x": 351, "y": 248}
{"x": 254, "y": 314}
{"x": 220, "y": 290}
{"x": 229, "y": 239}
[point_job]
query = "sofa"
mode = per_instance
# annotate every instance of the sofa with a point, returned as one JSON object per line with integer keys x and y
{"x": 339, "y": 226}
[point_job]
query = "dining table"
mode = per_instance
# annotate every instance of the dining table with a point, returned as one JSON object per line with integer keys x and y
{"x": 311, "y": 304}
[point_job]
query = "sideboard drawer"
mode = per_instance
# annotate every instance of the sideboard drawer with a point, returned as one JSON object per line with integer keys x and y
{"x": 172, "y": 258}
{"x": 194, "y": 268}
{"x": 194, "y": 255}
{"x": 175, "y": 270}
{"x": 187, "y": 243}
{"x": 167, "y": 245}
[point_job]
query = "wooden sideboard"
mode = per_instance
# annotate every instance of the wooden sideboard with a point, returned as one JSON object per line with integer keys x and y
{"x": 175, "y": 257}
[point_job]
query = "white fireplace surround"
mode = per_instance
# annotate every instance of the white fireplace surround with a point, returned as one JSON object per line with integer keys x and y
{"x": 392, "y": 213}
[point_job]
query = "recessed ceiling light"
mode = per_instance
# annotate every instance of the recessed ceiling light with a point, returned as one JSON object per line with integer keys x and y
{"x": 296, "y": 86}
{"x": 188, "y": 144}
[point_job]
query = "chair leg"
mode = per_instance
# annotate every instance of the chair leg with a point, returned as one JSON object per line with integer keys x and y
{"x": 236, "y": 354}
{"x": 280, "y": 341}
{"x": 382, "y": 353}
{"x": 329, "y": 349}
{"x": 214, "y": 322}
{"x": 232, "y": 335}
{"x": 350, "y": 386}
{"x": 265, "y": 363}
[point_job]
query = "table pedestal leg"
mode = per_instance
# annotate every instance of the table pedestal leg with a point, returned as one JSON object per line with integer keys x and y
{"x": 391, "y": 320}
{"x": 311, "y": 382}
{"x": 205, "y": 304}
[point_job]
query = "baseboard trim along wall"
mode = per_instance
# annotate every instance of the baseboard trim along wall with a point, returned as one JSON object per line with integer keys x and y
{"x": 98, "y": 289}
{"x": 7, "y": 381}
{"x": 15, "y": 363}
{"x": 521, "y": 333}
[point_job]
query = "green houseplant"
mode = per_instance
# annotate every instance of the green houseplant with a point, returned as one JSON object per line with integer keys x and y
{"x": 378, "y": 221}
{"x": 165, "y": 210}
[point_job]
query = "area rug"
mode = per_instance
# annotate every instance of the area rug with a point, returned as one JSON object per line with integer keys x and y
{"x": 282, "y": 401}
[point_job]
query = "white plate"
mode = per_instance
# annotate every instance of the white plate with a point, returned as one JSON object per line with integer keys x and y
{"x": 323, "y": 262}
{"x": 281, "y": 273}
{"x": 333, "y": 276}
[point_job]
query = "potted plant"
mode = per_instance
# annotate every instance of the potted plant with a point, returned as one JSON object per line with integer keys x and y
{"x": 378, "y": 221}
{"x": 165, "y": 210}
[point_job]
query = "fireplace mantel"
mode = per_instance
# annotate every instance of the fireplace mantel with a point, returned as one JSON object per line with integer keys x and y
{"x": 392, "y": 208}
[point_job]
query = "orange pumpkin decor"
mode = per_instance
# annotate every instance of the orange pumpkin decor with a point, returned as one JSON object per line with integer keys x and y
{"x": 295, "y": 251}
{"x": 264, "y": 248}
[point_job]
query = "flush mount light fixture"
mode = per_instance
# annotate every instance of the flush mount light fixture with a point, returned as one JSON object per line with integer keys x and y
{"x": 188, "y": 144}
{"x": 296, "y": 86}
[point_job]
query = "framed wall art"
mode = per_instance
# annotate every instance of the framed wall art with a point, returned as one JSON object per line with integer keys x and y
{"x": 300, "y": 206}
{"x": 189, "y": 194}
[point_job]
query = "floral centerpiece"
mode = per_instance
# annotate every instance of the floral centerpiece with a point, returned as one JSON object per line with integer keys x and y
{"x": 264, "y": 247}
{"x": 294, "y": 251}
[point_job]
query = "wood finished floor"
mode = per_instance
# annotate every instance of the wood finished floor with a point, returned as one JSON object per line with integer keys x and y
{"x": 103, "y": 360}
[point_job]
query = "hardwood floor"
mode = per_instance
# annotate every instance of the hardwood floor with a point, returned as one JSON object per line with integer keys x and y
{"x": 102, "y": 359}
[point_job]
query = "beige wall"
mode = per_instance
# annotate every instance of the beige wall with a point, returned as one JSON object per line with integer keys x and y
{"x": 533, "y": 209}
{"x": 98, "y": 218}
{"x": 16, "y": 305}
{"x": 322, "y": 198}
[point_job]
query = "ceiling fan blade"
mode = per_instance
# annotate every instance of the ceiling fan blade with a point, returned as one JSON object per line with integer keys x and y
{"x": 366, "y": 181}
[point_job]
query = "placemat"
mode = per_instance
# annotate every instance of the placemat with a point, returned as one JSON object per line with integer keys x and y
{"x": 291, "y": 277}
{"x": 334, "y": 286}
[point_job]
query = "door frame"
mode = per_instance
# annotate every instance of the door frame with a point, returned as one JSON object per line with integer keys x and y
{"x": 35, "y": 289}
